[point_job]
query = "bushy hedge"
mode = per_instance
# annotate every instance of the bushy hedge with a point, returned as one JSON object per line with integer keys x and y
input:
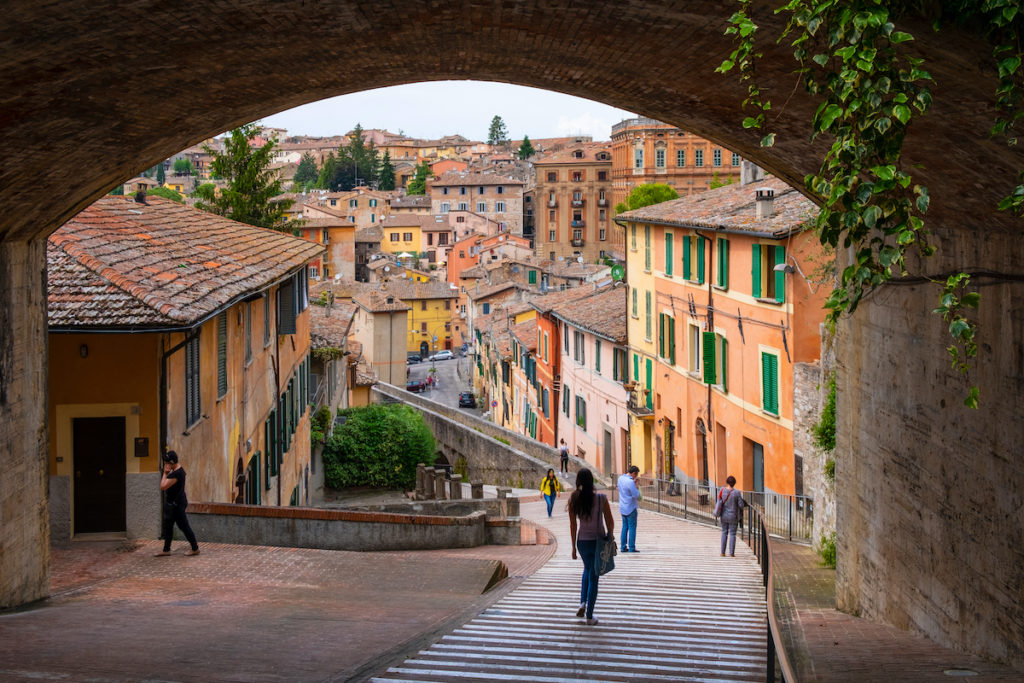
{"x": 379, "y": 445}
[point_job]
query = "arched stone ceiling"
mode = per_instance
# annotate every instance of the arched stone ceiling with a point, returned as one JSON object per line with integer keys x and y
{"x": 95, "y": 91}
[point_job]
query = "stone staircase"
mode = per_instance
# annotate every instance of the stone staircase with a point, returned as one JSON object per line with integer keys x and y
{"x": 674, "y": 611}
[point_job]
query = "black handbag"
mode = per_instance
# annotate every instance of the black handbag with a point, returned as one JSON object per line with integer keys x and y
{"x": 606, "y": 552}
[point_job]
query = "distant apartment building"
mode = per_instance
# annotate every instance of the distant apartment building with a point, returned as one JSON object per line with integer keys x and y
{"x": 573, "y": 207}
{"x": 497, "y": 198}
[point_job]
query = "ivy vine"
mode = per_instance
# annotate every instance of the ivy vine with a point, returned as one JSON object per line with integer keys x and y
{"x": 851, "y": 57}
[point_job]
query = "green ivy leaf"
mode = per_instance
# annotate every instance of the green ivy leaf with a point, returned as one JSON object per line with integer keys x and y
{"x": 971, "y": 299}
{"x": 902, "y": 113}
{"x": 768, "y": 140}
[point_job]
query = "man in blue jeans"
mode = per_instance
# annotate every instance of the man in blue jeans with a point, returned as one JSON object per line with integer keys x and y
{"x": 629, "y": 497}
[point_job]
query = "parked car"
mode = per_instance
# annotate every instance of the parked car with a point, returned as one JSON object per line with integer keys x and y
{"x": 412, "y": 359}
{"x": 416, "y": 385}
{"x": 467, "y": 400}
{"x": 443, "y": 355}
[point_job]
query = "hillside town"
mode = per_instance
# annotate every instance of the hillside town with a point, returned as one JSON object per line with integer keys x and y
{"x": 670, "y": 336}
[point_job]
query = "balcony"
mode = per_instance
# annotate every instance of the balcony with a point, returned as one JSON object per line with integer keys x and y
{"x": 636, "y": 400}
{"x": 577, "y": 203}
{"x": 602, "y": 202}
{"x": 576, "y": 242}
{"x": 577, "y": 224}
{"x": 552, "y": 203}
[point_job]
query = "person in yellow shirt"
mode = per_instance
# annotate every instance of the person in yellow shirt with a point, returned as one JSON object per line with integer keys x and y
{"x": 550, "y": 487}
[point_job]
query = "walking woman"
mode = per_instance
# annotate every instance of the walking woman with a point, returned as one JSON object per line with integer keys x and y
{"x": 729, "y": 507}
{"x": 587, "y": 509}
{"x": 550, "y": 486}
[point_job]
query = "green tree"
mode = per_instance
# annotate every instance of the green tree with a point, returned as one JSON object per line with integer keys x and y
{"x": 183, "y": 166}
{"x": 717, "y": 182}
{"x": 323, "y": 181}
{"x": 358, "y": 163}
{"x": 379, "y": 445}
{"x": 307, "y": 172}
{"x": 418, "y": 185}
{"x": 498, "y": 133}
{"x": 526, "y": 149}
{"x": 251, "y": 184}
{"x": 386, "y": 177}
{"x": 646, "y": 195}
{"x": 118, "y": 190}
{"x": 161, "y": 175}
{"x": 166, "y": 193}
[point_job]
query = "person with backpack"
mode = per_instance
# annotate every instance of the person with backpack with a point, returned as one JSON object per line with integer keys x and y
{"x": 563, "y": 454}
{"x": 729, "y": 508}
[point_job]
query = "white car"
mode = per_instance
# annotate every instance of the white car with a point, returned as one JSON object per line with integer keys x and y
{"x": 443, "y": 355}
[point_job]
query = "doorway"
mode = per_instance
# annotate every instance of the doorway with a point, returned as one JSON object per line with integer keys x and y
{"x": 609, "y": 447}
{"x": 424, "y": 350}
{"x": 758, "y": 472}
{"x": 702, "y": 451}
{"x": 99, "y": 482}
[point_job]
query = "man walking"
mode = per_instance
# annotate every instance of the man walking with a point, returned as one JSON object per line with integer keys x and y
{"x": 563, "y": 453}
{"x": 629, "y": 498}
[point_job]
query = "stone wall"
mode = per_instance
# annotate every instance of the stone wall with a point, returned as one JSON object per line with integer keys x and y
{"x": 24, "y": 518}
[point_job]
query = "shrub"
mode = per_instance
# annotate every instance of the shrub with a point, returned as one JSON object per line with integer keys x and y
{"x": 379, "y": 445}
{"x": 830, "y": 470}
{"x": 825, "y": 430}
{"x": 827, "y": 550}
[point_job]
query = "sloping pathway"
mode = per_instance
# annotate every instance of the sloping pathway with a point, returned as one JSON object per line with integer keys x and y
{"x": 675, "y": 611}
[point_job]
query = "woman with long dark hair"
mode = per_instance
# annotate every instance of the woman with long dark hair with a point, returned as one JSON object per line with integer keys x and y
{"x": 587, "y": 509}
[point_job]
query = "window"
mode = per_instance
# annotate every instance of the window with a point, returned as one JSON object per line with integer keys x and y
{"x": 552, "y": 176}
{"x": 619, "y": 365}
{"x": 445, "y": 207}
{"x": 325, "y": 236}
{"x": 266, "y": 319}
{"x": 286, "y": 308}
{"x": 577, "y": 176}
{"x": 578, "y": 353}
{"x": 487, "y": 308}
{"x": 770, "y": 382}
{"x": 271, "y": 444}
{"x": 659, "y": 157}
{"x": 463, "y": 206}
{"x": 407, "y": 237}
{"x": 460, "y": 219}
{"x": 501, "y": 189}
{"x": 602, "y": 234}
{"x": 715, "y": 356}
{"x": 545, "y": 347}
{"x": 481, "y": 190}
{"x": 565, "y": 400}
{"x": 667, "y": 338}
{"x": 668, "y": 254}
{"x": 649, "y": 314}
{"x": 695, "y": 355}
{"x": 447, "y": 304}
{"x": 462, "y": 190}
{"x": 532, "y": 277}
{"x": 499, "y": 207}
{"x": 430, "y": 239}
{"x": 544, "y": 403}
{"x": 767, "y": 282}
{"x": 394, "y": 237}
{"x": 680, "y": 157}
{"x": 722, "y": 263}
{"x": 551, "y": 238}
{"x": 444, "y": 190}
{"x": 638, "y": 158}
{"x": 423, "y": 328}
{"x": 423, "y": 307}
{"x": 222, "y": 354}
{"x": 481, "y": 207}
{"x": 717, "y": 157}
{"x": 248, "y": 332}
{"x": 565, "y": 337}
{"x": 632, "y": 236}
{"x": 647, "y": 248}
{"x": 601, "y": 215}
{"x": 597, "y": 356}
{"x": 635, "y": 313}
{"x": 581, "y": 413}
{"x": 693, "y": 254}
{"x": 602, "y": 175}
{"x": 193, "y": 409}
{"x": 353, "y": 203}
{"x": 735, "y": 159}
{"x": 373, "y": 218}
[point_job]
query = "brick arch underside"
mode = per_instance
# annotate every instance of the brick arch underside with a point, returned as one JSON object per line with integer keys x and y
{"x": 96, "y": 91}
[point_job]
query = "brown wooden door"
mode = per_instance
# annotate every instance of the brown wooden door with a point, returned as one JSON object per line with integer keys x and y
{"x": 99, "y": 458}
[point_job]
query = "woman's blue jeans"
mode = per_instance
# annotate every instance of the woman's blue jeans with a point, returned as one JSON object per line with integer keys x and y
{"x": 729, "y": 534}
{"x": 550, "y": 500}
{"x": 588, "y": 590}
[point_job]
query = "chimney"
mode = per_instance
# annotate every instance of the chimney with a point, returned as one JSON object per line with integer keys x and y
{"x": 764, "y": 199}
{"x": 140, "y": 195}
{"x": 750, "y": 173}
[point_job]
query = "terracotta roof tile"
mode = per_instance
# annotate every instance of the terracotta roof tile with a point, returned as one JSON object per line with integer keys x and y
{"x": 160, "y": 264}
{"x": 456, "y": 178}
{"x": 328, "y": 328}
{"x": 602, "y": 312}
{"x": 375, "y": 301}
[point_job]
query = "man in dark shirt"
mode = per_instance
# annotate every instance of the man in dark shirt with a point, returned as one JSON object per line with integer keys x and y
{"x": 173, "y": 484}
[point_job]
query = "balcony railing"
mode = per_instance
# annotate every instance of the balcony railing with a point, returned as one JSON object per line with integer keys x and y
{"x": 576, "y": 242}
{"x": 638, "y": 406}
{"x": 552, "y": 203}
{"x": 578, "y": 202}
{"x": 602, "y": 202}
{"x": 576, "y": 224}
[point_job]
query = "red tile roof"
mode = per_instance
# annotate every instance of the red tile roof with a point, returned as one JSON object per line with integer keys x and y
{"x": 603, "y": 312}
{"x": 120, "y": 264}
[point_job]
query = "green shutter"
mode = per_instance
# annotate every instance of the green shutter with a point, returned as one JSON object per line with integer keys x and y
{"x": 725, "y": 356}
{"x": 533, "y": 277}
{"x": 755, "y": 270}
{"x": 687, "y": 270}
{"x": 671, "y": 340}
{"x": 723, "y": 262}
{"x": 650, "y": 392}
{"x": 780, "y": 275}
{"x": 700, "y": 259}
{"x": 770, "y": 382}
{"x": 668, "y": 253}
{"x": 661, "y": 335}
{"x": 636, "y": 313}
{"x": 273, "y": 446}
{"x": 708, "y": 340}
{"x": 615, "y": 364}
{"x": 636, "y": 368}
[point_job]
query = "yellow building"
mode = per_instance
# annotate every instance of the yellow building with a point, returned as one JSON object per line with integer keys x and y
{"x": 431, "y": 305}
{"x": 642, "y": 332}
{"x": 173, "y": 329}
{"x": 402, "y": 234}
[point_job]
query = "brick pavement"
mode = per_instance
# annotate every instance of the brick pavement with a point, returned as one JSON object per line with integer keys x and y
{"x": 827, "y": 645}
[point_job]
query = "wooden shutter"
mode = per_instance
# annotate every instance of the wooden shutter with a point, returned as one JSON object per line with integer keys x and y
{"x": 700, "y": 259}
{"x": 725, "y": 356}
{"x": 723, "y": 262}
{"x": 222, "y": 354}
{"x": 636, "y": 367}
{"x": 770, "y": 382}
{"x": 780, "y": 275}
{"x": 661, "y": 335}
{"x": 755, "y": 270}
{"x": 668, "y": 253}
{"x": 650, "y": 373}
{"x": 687, "y": 270}
{"x": 286, "y": 307}
{"x": 671, "y": 340}
{"x": 708, "y": 340}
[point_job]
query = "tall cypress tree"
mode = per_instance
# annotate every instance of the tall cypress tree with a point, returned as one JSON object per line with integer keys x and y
{"x": 386, "y": 177}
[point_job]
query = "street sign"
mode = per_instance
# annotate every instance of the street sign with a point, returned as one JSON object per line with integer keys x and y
{"x": 494, "y": 404}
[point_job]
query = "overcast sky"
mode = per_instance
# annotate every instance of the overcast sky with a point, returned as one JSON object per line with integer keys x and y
{"x": 430, "y": 110}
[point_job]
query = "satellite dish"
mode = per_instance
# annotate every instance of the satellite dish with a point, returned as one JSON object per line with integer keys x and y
{"x": 579, "y": 259}
{"x": 618, "y": 272}
{"x": 387, "y": 269}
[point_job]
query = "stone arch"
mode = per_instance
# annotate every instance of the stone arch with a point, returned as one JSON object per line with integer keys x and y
{"x": 99, "y": 91}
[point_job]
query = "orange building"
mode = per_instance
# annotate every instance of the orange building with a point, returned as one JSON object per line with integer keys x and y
{"x": 174, "y": 329}
{"x": 720, "y": 310}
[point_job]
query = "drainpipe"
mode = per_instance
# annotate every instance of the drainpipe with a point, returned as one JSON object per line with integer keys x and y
{"x": 711, "y": 328}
